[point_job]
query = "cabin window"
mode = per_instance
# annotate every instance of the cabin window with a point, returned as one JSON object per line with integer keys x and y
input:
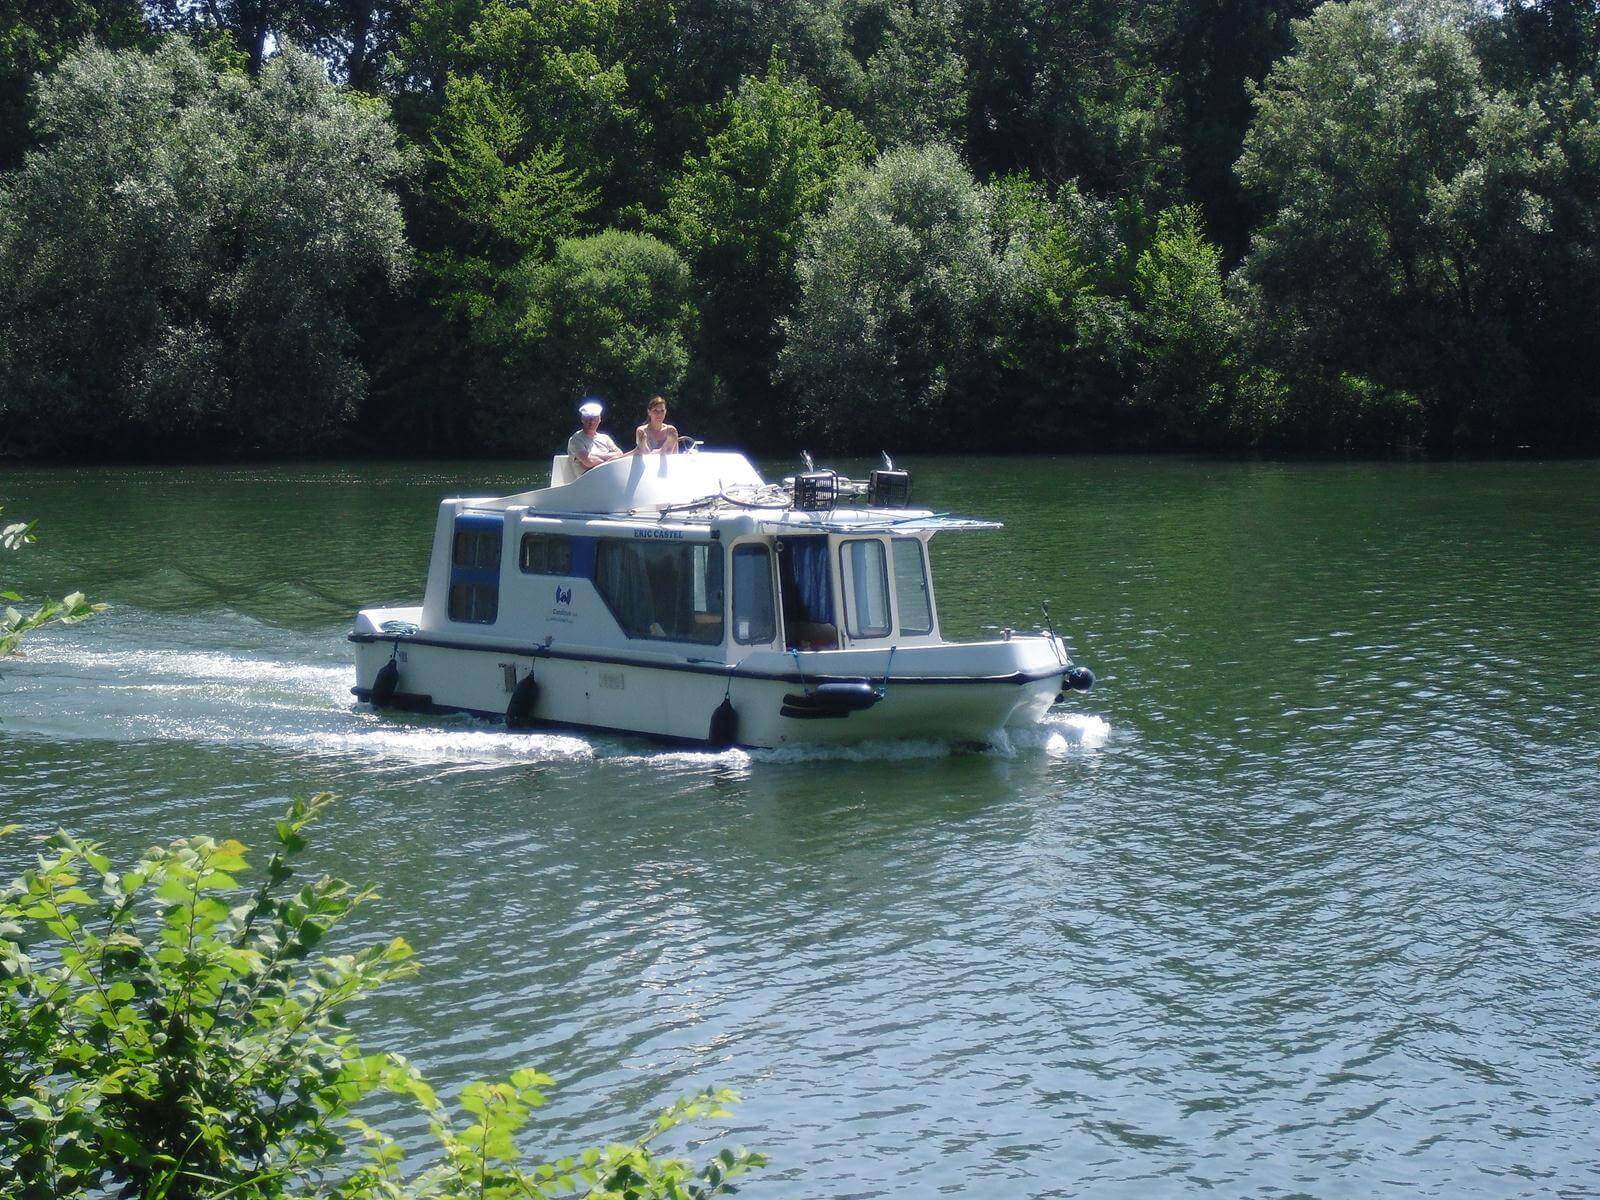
{"x": 805, "y": 586}
{"x": 911, "y": 587}
{"x": 866, "y": 588}
{"x": 546, "y": 554}
{"x": 671, "y": 591}
{"x": 478, "y": 603}
{"x": 475, "y": 570}
{"x": 477, "y": 548}
{"x": 754, "y": 621}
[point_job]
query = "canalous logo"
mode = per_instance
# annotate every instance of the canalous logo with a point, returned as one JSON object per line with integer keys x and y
{"x": 563, "y": 595}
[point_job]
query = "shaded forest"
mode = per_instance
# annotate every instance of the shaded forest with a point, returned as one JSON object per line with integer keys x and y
{"x": 241, "y": 227}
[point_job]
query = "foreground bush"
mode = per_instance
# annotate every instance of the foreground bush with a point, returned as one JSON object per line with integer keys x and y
{"x": 167, "y": 1032}
{"x": 14, "y": 623}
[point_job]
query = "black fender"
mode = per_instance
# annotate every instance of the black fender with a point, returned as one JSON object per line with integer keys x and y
{"x": 724, "y": 725}
{"x": 524, "y": 699}
{"x": 385, "y": 684}
{"x": 835, "y": 700}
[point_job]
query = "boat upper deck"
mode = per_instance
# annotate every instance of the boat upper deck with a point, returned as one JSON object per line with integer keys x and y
{"x": 697, "y": 490}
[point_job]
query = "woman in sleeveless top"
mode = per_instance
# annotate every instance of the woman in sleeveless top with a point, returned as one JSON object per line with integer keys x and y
{"x": 656, "y": 436}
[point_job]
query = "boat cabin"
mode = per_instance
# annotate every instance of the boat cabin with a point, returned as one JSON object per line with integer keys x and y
{"x": 677, "y": 553}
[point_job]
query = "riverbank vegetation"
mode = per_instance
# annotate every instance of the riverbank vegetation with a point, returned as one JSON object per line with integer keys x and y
{"x": 175, "y": 1031}
{"x": 432, "y": 225}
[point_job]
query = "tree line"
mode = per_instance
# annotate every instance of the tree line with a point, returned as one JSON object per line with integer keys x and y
{"x": 266, "y": 226}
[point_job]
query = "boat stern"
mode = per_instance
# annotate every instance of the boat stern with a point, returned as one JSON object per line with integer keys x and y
{"x": 376, "y": 633}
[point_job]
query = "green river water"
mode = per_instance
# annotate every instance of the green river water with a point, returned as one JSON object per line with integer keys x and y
{"x": 1302, "y": 900}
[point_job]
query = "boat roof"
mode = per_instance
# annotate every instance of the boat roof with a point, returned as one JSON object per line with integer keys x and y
{"x": 643, "y": 483}
{"x": 705, "y": 488}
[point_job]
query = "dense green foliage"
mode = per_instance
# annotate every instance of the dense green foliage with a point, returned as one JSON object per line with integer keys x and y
{"x": 738, "y": 214}
{"x": 899, "y": 284}
{"x": 168, "y": 1032}
{"x": 185, "y": 255}
{"x": 1430, "y": 226}
{"x": 610, "y": 315}
{"x": 34, "y": 36}
{"x": 1016, "y": 224}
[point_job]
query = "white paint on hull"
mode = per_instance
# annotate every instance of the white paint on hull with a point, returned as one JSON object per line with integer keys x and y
{"x": 673, "y": 703}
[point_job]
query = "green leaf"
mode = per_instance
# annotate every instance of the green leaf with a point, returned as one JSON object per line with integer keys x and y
{"x": 13, "y": 537}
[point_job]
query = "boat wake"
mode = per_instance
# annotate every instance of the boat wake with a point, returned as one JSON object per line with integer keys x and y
{"x": 488, "y": 746}
{"x": 155, "y": 669}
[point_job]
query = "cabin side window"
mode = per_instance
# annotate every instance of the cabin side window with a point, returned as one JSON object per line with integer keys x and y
{"x": 805, "y": 590}
{"x": 866, "y": 588}
{"x": 475, "y": 570}
{"x": 669, "y": 591}
{"x": 754, "y": 620}
{"x": 911, "y": 587}
{"x": 546, "y": 554}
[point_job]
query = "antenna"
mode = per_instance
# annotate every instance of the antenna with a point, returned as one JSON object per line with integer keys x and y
{"x": 805, "y": 457}
{"x": 888, "y": 463}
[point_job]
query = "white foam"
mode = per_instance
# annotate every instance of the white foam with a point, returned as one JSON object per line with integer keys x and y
{"x": 735, "y": 759}
{"x": 189, "y": 666}
{"x": 484, "y": 747}
{"x": 1056, "y": 733}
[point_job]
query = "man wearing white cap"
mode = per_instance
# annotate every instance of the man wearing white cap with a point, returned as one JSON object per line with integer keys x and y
{"x": 589, "y": 447}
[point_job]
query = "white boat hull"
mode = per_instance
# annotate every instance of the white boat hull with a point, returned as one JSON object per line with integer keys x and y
{"x": 676, "y": 701}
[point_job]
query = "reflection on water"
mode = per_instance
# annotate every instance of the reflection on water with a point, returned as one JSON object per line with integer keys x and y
{"x": 1299, "y": 901}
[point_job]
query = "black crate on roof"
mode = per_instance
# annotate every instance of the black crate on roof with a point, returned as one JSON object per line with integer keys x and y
{"x": 815, "y": 490}
{"x": 889, "y": 489}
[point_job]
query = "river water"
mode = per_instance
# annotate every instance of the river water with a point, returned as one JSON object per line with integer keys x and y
{"x": 1303, "y": 899}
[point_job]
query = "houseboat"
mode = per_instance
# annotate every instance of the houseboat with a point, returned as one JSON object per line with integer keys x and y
{"x": 682, "y": 596}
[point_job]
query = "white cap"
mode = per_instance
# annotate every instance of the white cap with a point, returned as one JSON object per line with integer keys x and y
{"x": 589, "y": 408}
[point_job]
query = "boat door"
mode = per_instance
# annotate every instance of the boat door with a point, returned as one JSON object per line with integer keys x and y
{"x": 805, "y": 585}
